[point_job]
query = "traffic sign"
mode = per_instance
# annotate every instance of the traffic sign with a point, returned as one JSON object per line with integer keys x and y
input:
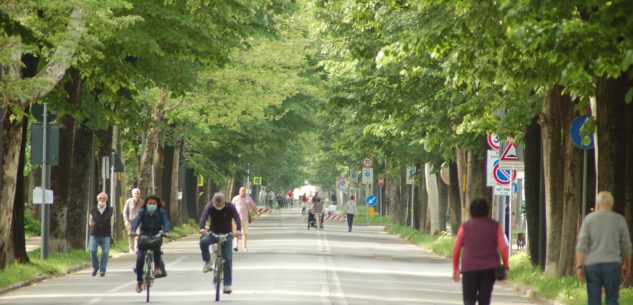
{"x": 367, "y": 162}
{"x": 257, "y": 180}
{"x": 492, "y": 158}
{"x": 371, "y": 200}
{"x": 577, "y": 137}
{"x": 353, "y": 178}
{"x": 503, "y": 176}
{"x": 368, "y": 176}
{"x": 410, "y": 175}
{"x": 493, "y": 141}
{"x": 502, "y": 190}
{"x": 381, "y": 181}
{"x": 509, "y": 158}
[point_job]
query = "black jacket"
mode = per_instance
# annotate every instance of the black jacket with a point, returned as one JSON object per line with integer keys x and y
{"x": 101, "y": 226}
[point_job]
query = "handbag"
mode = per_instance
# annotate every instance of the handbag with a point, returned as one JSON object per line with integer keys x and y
{"x": 500, "y": 273}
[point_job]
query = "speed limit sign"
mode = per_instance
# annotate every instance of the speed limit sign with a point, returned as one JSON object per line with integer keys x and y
{"x": 367, "y": 162}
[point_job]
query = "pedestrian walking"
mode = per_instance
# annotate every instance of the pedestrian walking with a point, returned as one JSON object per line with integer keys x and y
{"x": 243, "y": 203}
{"x": 100, "y": 234}
{"x": 482, "y": 240}
{"x": 304, "y": 203}
{"x": 318, "y": 211}
{"x": 271, "y": 198}
{"x": 350, "y": 210}
{"x": 290, "y": 198}
{"x": 603, "y": 251}
{"x": 130, "y": 209}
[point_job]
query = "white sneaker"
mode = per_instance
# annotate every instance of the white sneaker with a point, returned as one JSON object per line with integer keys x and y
{"x": 227, "y": 289}
{"x": 208, "y": 266}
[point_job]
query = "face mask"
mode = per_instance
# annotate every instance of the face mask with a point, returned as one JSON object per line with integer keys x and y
{"x": 151, "y": 208}
{"x": 101, "y": 204}
{"x": 219, "y": 208}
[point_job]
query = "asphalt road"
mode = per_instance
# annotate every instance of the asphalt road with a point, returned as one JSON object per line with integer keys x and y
{"x": 286, "y": 264}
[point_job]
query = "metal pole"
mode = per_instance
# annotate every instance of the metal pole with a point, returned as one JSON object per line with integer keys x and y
{"x": 412, "y": 200}
{"x": 584, "y": 184}
{"x": 45, "y": 208}
{"x": 510, "y": 217}
{"x": 380, "y": 192}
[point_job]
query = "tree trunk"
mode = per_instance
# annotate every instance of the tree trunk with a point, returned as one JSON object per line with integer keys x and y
{"x": 551, "y": 128}
{"x": 432, "y": 189}
{"x": 191, "y": 186}
{"x": 417, "y": 206}
{"x": 404, "y": 198}
{"x": 628, "y": 181}
{"x": 423, "y": 197}
{"x": 454, "y": 198}
{"x": 392, "y": 194}
{"x": 476, "y": 177}
{"x": 151, "y": 144}
{"x": 572, "y": 195}
{"x": 442, "y": 196}
{"x": 19, "y": 242}
{"x": 11, "y": 143}
{"x": 60, "y": 176}
{"x": 460, "y": 159}
{"x": 532, "y": 187}
{"x": 167, "y": 174}
{"x": 611, "y": 148}
{"x": 80, "y": 195}
{"x": 174, "y": 208}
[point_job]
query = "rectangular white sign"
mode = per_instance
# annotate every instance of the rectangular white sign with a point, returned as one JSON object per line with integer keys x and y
{"x": 502, "y": 190}
{"x": 368, "y": 176}
{"x": 492, "y": 156}
{"x": 512, "y": 165}
{"x": 37, "y": 196}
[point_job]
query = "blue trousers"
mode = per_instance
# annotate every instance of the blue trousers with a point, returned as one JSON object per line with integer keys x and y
{"x": 350, "y": 221}
{"x": 605, "y": 275}
{"x": 227, "y": 249}
{"x": 93, "y": 243}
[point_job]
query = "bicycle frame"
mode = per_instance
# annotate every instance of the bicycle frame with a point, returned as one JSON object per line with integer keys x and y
{"x": 148, "y": 270}
{"x": 218, "y": 270}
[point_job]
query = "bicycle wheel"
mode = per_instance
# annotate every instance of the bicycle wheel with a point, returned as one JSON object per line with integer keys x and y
{"x": 148, "y": 276}
{"x": 219, "y": 271}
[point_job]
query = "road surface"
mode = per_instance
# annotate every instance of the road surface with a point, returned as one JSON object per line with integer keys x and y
{"x": 286, "y": 264}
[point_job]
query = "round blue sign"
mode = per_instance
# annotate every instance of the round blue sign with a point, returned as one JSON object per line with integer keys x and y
{"x": 583, "y": 142}
{"x": 371, "y": 200}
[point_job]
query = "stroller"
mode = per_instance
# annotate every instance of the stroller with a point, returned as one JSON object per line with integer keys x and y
{"x": 312, "y": 219}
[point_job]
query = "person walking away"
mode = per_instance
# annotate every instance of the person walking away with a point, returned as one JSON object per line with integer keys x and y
{"x": 100, "y": 234}
{"x": 318, "y": 211}
{"x": 130, "y": 209}
{"x": 350, "y": 210}
{"x": 304, "y": 203}
{"x": 243, "y": 203}
{"x": 480, "y": 240}
{"x": 290, "y": 198}
{"x": 271, "y": 198}
{"x": 603, "y": 251}
{"x": 333, "y": 198}
{"x": 152, "y": 219}
{"x": 221, "y": 214}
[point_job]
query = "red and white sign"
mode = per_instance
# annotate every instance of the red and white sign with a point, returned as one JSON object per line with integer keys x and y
{"x": 381, "y": 181}
{"x": 493, "y": 141}
{"x": 503, "y": 176}
{"x": 367, "y": 162}
{"x": 335, "y": 217}
{"x": 509, "y": 158}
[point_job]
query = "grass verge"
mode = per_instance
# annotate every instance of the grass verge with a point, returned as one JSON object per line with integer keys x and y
{"x": 566, "y": 290}
{"x": 62, "y": 263}
{"x": 362, "y": 218}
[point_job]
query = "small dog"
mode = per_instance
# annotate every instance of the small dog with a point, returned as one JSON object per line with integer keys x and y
{"x": 520, "y": 241}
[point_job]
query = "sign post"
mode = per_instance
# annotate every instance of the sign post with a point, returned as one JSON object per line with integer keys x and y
{"x": 381, "y": 183}
{"x": 411, "y": 180}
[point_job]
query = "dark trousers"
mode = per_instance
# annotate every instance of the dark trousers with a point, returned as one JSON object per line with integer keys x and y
{"x": 477, "y": 286}
{"x": 350, "y": 221}
{"x": 140, "y": 262}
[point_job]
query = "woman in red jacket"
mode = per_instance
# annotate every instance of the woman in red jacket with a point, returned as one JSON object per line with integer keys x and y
{"x": 482, "y": 240}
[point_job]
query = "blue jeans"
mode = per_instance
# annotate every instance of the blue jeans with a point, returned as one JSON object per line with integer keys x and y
{"x": 605, "y": 275}
{"x": 227, "y": 248}
{"x": 93, "y": 243}
{"x": 350, "y": 221}
{"x": 140, "y": 262}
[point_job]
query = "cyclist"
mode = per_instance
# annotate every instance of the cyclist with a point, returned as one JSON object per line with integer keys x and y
{"x": 153, "y": 219}
{"x": 220, "y": 213}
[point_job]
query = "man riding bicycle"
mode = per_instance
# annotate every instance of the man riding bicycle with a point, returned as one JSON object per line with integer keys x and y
{"x": 153, "y": 220}
{"x": 220, "y": 213}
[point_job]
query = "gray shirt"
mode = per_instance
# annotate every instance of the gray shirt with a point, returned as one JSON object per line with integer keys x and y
{"x": 318, "y": 207}
{"x": 604, "y": 238}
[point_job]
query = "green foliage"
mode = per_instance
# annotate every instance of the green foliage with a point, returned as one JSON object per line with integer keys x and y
{"x": 441, "y": 244}
{"x": 32, "y": 227}
{"x": 56, "y": 264}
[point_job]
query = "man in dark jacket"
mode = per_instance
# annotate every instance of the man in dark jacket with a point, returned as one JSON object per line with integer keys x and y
{"x": 221, "y": 214}
{"x": 100, "y": 234}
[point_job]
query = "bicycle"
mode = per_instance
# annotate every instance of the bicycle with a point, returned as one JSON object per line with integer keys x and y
{"x": 218, "y": 268}
{"x": 148, "y": 244}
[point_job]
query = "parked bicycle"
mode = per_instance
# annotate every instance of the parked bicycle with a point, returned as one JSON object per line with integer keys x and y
{"x": 148, "y": 244}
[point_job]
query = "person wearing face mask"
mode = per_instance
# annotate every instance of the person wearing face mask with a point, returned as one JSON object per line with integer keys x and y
{"x": 152, "y": 219}
{"x": 131, "y": 208}
{"x": 221, "y": 215}
{"x": 100, "y": 234}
